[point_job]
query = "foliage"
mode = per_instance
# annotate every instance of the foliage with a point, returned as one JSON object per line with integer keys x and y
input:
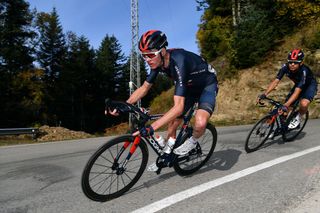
{"x": 163, "y": 102}
{"x": 15, "y": 56}
{"x": 52, "y": 49}
{"x": 15, "y": 36}
{"x": 300, "y": 12}
{"x": 254, "y": 37}
{"x": 110, "y": 64}
{"x": 312, "y": 40}
{"x": 25, "y": 101}
{"x": 76, "y": 86}
{"x": 214, "y": 37}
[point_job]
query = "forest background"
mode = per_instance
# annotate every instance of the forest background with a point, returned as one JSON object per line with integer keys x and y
{"x": 48, "y": 77}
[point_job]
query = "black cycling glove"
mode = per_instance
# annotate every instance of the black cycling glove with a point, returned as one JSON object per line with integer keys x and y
{"x": 146, "y": 131}
{"x": 262, "y": 96}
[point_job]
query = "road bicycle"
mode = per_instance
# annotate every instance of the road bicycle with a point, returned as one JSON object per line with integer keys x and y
{"x": 119, "y": 163}
{"x": 274, "y": 124}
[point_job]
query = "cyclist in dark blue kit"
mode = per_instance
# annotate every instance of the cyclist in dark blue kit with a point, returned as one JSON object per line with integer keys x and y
{"x": 195, "y": 81}
{"x": 305, "y": 84}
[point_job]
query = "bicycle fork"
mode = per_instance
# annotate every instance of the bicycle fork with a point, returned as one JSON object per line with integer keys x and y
{"x": 280, "y": 123}
{"x": 121, "y": 168}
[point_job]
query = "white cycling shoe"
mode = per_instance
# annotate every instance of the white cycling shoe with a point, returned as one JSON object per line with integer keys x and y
{"x": 186, "y": 147}
{"x": 152, "y": 167}
{"x": 295, "y": 122}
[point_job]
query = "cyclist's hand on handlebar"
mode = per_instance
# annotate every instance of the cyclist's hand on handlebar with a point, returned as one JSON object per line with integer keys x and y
{"x": 261, "y": 97}
{"x": 113, "y": 112}
{"x": 283, "y": 109}
{"x": 144, "y": 131}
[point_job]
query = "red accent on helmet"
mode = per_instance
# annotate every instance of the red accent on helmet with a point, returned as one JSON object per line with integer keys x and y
{"x": 144, "y": 42}
{"x": 296, "y": 55}
{"x": 152, "y": 39}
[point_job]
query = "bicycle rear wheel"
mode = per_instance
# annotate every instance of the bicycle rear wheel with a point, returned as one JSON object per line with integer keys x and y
{"x": 105, "y": 178}
{"x": 259, "y": 134}
{"x": 196, "y": 158}
{"x": 291, "y": 134}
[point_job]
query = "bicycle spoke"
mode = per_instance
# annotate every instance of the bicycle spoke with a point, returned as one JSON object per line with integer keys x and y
{"x": 127, "y": 175}
{"x": 106, "y": 159}
{"x": 98, "y": 174}
{"x": 102, "y": 182}
{"x": 98, "y": 164}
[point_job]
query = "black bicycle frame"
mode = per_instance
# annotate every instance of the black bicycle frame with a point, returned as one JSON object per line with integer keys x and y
{"x": 280, "y": 121}
{"x": 186, "y": 120}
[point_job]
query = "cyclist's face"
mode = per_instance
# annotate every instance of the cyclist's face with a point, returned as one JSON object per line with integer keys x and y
{"x": 153, "y": 58}
{"x": 293, "y": 66}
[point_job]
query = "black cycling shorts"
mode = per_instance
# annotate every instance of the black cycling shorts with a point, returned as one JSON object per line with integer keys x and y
{"x": 206, "y": 98}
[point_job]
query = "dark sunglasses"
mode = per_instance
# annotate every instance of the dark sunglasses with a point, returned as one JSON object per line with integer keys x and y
{"x": 150, "y": 55}
{"x": 294, "y": 62}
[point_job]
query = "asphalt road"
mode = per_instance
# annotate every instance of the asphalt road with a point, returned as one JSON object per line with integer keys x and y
{"x": 281, "y": 177}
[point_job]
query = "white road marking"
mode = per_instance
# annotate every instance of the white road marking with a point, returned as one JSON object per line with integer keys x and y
{"x": 168, "y": 201}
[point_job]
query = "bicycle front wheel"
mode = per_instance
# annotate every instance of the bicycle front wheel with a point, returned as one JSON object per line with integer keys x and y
{"x": 196, "y": 158}
{"x": 259, "y": 134}
{"x": 108, "y": 174}
{"x": 291, "y": 134}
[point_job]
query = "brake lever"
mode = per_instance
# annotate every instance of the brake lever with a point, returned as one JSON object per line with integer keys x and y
{"x": 261, "y": 104}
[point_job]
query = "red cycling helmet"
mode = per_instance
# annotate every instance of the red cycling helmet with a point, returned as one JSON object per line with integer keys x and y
{"x": 152, "y": 39}
{"x": 296, "y": 55}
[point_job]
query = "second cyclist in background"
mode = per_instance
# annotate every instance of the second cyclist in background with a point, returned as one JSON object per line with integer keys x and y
{"x": 305, "y": 84}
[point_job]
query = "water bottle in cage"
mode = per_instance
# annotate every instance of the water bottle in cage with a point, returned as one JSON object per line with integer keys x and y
{"x": 160, "y": 140}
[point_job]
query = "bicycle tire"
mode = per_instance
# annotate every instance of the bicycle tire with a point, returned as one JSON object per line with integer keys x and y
{"x": 190, "y": 163}
{"x": 260, "y": 131}
{"x": 291, "y": 134}
{"x": 100, "y": 181}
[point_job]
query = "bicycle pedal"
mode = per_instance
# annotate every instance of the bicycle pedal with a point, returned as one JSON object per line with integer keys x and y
{"x": 159, "y": 171}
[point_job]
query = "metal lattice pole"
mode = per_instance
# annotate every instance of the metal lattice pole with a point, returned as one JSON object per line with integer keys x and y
{"x": 134, "y": 58}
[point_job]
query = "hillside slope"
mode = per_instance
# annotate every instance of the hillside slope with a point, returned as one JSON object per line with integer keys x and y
{"x": 236, "y": 101}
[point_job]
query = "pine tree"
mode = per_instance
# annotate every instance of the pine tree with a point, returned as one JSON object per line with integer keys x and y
{"x": 15, "y": 57}
{"x": 110, "y": 61}
{"x": 16, "y": 33}
{"x": 76, "y": 95}
{"x": 52, "y": 49}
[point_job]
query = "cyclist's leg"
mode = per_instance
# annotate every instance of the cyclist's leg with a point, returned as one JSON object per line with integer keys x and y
{"x": 205, "y": 109}
{"x": 307, "y": 97}
{"x": 173, "y": 125}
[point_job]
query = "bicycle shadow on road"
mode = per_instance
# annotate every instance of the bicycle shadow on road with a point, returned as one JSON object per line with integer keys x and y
{"x": 220, "y": 160}
{"x": 280, "y": 141}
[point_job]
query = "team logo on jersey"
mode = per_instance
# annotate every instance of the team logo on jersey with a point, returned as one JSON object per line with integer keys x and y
{"x": 211, "y": 69}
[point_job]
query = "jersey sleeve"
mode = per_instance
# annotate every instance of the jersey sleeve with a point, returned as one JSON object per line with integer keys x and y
{"x": 181, "y": 76}
{"x": 152, "y": 76}
{"x": 281, "y": 72}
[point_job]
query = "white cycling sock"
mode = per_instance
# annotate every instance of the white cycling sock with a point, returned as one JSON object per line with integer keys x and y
{"x": 193, "y": 140}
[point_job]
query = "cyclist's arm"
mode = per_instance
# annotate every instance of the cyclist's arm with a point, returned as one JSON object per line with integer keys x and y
{"x": 272, "y": 85}
{"x": 293, "y": 97}
{"x": 139, "y": 93}
{"x": 173, "y": 113}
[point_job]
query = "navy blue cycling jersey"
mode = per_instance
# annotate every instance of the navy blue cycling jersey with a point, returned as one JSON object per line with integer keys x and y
{"x": 188, "y": 70}
{"x": 301, "y": 78}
